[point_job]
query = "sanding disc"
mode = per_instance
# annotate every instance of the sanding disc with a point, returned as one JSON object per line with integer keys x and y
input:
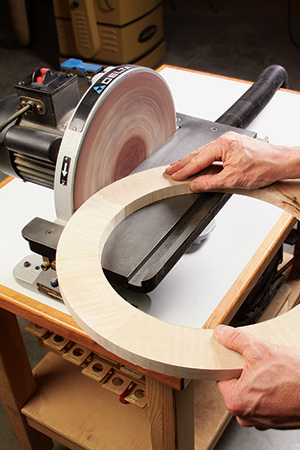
{"x": 132, "y": 116}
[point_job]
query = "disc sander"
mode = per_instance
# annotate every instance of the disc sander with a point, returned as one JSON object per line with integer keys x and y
{"x": 131, "y": 118}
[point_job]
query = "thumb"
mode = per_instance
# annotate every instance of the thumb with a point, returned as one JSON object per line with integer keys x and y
{"x": 233, "y": 339}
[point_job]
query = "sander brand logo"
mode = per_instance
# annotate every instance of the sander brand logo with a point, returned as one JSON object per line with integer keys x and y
{"x": 109, "y": 78}
{"x": 92, "y": 96}
{"x": 99, "y": 89}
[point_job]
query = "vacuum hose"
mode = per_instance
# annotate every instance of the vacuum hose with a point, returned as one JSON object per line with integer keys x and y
{"x": 247, "y": 107}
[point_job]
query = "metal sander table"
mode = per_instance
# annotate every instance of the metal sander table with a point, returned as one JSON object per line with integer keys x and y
{"x": 56, "y": 400}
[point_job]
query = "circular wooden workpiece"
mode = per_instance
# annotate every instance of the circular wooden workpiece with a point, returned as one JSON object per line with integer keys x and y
{"x": 127, "y": 331}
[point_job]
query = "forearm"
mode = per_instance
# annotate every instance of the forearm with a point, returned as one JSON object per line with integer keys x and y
{"x": 290, "y": 163}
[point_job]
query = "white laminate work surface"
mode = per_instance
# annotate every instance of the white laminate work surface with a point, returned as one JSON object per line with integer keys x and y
{"x": 208, "y": 97}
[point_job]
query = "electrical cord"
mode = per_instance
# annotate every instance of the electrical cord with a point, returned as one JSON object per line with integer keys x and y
{"x": 15, "y": 116}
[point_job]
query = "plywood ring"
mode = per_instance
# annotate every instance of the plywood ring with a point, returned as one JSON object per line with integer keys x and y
{"x": 121, "y": 328}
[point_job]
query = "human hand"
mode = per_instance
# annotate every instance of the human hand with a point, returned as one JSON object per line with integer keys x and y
{"x": 247, "y": 163}
{"x": 267, "y": 394}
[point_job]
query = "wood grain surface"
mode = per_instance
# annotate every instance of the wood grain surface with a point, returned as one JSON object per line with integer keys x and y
{"x": 128, "y": 332}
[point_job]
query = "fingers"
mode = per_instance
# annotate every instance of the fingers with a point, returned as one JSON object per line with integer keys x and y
{"x": 193, "y": 163}
{"x": 227, "y": 389}
{"x": 250, "y": 423}
{"x": 234, "y": 339}
{"x": 177, "y": 165}
{"x": 260, "y": 427}
{"x": 214, "y": 178}
{"x": 242, "y": 166}
{"x": 243, "y": 422}
{"x": 213, "y": 182}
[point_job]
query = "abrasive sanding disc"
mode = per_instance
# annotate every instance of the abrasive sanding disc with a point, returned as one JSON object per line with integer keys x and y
{"x": 131, "y": 117}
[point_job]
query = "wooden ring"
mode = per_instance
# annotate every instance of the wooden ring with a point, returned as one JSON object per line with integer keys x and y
{"x": 128, "y": 332}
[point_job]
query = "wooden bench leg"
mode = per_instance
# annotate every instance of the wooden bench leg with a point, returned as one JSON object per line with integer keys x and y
{"x": 171, "y": 416}
{"x": 17, "y": 383}
{"x": 185, "y": 417}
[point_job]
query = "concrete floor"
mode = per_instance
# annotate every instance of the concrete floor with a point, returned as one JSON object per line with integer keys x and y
{"x": 239, "y": 41}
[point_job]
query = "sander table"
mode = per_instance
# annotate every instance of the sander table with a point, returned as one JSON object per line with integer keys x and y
{"x": 56, "y": 400}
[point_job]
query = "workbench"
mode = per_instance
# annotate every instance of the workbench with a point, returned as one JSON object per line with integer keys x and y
{"x": 56, "y": 400}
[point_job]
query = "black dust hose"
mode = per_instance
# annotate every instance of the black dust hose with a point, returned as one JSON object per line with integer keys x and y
{"x": 247, "y": 107}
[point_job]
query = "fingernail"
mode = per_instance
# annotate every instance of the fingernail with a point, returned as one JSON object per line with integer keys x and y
{"x": 219, "y": 330}
{"x": 195, "y": 187}
{"x": 169, "y": 168}
{"x": 175, "y": 162}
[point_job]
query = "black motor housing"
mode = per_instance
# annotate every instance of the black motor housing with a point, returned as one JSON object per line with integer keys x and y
{"x": 29, "y": 145}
